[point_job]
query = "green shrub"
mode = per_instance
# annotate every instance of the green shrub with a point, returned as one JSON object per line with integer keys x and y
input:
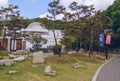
{"x": 31, "y": 50}
{"x": 57, "y": 49}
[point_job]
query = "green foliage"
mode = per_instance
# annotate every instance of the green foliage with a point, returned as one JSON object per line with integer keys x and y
{"x": 36, "y": 38}
{"x": 57, "y": 49}
{"x": 31, "y": 50}
{"x": 10, "y": 17}
{"x": 114, "y": 12}
{"x": 68, "y": 41}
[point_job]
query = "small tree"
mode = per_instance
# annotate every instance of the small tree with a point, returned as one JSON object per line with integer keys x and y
{"x": 35, "y": 38}
{"x": 6, "y": 15}
{"x": 55, "y": 9}
{"x": 68, "y": 41}
{"x": 80, "y": 16}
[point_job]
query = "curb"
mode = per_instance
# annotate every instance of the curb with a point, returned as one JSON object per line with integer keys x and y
{"x": 99, "y": 69}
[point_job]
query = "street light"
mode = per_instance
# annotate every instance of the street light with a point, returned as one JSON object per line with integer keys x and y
{"x": 108, "y": 33}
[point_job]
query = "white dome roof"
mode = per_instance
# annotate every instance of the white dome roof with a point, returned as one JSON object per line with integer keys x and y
{"x": 36, "y": 26}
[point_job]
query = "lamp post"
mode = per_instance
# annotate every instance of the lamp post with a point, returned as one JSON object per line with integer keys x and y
{"x": 108, "y": 33}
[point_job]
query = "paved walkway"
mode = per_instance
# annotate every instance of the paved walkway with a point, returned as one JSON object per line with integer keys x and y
{"x": 111, "y": 71}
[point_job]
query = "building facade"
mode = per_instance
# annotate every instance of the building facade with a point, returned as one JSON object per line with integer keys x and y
{"x": 11, "y": 44}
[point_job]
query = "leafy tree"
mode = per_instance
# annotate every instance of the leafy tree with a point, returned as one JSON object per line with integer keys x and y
{"x": 7, "y": 14}
{"x": 114, "y": 12}
{"x": 54, "y": 9}
{"x": 35, "y": 38}
{"x": 80, "y": 15}
{"x": 97, "y": 24}
{"x": 68, "y": 41}
{"x": 85, "y": 25}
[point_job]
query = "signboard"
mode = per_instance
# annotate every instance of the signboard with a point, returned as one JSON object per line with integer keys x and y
{"x": 101, "y": 38}
{"x": 108, "y": 39}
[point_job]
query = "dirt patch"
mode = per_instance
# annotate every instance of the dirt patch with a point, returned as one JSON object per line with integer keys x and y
{"x": 98, "y": 56}
{"x": 61, "y": 60}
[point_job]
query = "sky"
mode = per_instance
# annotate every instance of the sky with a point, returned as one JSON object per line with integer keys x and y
{"x": 39, "y": 8}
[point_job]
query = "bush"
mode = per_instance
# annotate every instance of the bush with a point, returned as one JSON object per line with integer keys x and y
{"x": 31, "y": 50}
{"x": 57, "y": 49}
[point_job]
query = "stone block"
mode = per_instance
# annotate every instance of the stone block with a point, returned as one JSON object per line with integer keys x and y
{"x": 38, "y": 58}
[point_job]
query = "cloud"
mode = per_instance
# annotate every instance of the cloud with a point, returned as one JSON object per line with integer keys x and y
{"x": 66, "y": 3}
{"x": 45, "y": 15}
{"x": 98, "y": 4}
{"x": 4, "y": 3}
{"x": 59, "y": 17}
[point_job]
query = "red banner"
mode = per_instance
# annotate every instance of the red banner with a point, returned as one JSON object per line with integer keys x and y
{"x": 108, "y": 39}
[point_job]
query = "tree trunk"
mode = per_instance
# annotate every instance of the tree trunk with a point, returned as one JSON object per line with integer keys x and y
{"x": 85, "y": 46}
{"x": 56, "y": 43}
{"x": 91, "y": 43}
{"x": 77, "y": 45}
{"x": 55, "y": 37}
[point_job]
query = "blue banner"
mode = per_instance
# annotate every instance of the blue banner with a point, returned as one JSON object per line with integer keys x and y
{"x": 101, "y": 38}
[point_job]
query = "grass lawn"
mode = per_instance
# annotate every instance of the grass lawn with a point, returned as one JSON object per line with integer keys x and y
{"x": 63, "y": 66}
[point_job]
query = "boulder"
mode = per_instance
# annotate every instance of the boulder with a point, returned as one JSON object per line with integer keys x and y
{"x": 81, "y": 51}
{"x": 71, "y": 52}
{"x": 11, "y": 56}
{"x": 8, "y": 62}
{"x": 63, "y": 50}
{"x": 76, "y": 65}
{"x": 38, "y": 58}
{"x": 1, "y": 62}
{"x": 12, "y": 72}
{"x": 19, "y": 59}
{"x": 49, "y": 71}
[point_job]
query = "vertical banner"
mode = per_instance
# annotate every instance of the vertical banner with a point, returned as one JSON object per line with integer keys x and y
{"x": 101, "y": 38}
{"x": 108, "y": 39}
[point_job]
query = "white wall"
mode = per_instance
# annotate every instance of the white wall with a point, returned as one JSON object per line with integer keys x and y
{"x": 50, "y": 39}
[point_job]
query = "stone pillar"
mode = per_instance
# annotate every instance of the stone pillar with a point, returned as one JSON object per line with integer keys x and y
{"x": 8, "y": 44}
{"x": 13, "y": 43}
{"x": 23, "y": 44}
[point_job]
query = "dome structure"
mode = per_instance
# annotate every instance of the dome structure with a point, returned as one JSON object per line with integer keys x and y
{"x": 36, "y": 27}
